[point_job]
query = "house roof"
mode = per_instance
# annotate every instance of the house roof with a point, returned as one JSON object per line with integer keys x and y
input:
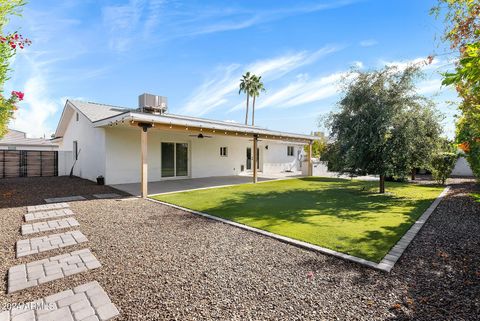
{"x": 95, "y": 111}
{"x": 107, "y": 115}
{"x": 17, "y": 138}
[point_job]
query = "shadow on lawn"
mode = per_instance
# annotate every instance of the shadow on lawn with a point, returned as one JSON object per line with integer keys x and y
{"x": 343, "y": 200}
{"x": 346, "y": 200}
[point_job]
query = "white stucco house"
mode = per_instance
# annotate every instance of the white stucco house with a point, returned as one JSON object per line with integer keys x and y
{"x": 121, "y": 143}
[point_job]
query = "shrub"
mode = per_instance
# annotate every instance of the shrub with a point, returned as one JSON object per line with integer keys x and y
{"x": 442, "y": 166}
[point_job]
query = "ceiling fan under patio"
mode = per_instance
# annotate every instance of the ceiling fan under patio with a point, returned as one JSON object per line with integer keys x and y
{"x": 201, "y": 136}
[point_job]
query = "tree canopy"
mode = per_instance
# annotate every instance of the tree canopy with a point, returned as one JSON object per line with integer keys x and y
{"x": 9, "y": 43}
{"x": 383, "y": 127}
{"x": 462, "y": 32}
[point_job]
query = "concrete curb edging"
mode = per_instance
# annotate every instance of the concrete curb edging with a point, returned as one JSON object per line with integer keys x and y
{"x": 385, "y": 265}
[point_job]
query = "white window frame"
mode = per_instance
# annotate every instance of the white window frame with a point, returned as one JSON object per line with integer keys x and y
{"x": 224, "y": 151}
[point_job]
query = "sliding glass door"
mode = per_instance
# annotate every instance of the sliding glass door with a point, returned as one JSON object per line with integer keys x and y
{"x": 174, "y": 159}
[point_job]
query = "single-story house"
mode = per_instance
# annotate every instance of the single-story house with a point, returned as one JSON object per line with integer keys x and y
{"x": 121, "y": 143}
{"x": 21, "y": 156}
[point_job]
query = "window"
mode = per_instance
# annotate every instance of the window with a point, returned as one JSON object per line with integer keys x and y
{"x": 75, "y": 150}
{"x": 223, "y": 151}
{"x": 289, "y": 150}
{"x": 174, "y": 158}
{"x": 77, "y": 116}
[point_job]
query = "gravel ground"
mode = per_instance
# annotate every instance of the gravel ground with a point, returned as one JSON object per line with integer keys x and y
{"x": 160, "y": 263}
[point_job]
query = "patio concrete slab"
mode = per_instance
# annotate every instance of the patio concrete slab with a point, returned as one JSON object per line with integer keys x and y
{"x": 178, "y": 185}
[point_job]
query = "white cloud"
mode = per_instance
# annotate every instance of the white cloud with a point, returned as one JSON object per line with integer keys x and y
{"x": 420, "y": 61}
{"x": 223, "y": 86}
{"x": 429, "y": 86}
{"x": 368, "y": 42}
{"x": 35, "y": 111}
{"x": 303, "y": 91}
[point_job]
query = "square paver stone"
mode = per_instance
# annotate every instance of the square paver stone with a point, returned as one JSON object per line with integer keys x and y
{"x": 24, "y": 276}
{"x": 85, "y": 302}
{"x": 49, "y": 225}
{"x": 46, "y": 207}
{"x": 108, "y": 195}
{"x": 42, "y": 215}
{"x": 50, "y": 242}
{"x": 65, "y": 199}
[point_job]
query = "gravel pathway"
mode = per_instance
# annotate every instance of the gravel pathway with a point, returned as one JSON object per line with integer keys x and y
{"x": 159, "y": 263}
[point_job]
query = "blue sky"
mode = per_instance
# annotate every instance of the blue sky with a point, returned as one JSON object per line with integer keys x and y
{"x": 195, "y": 52}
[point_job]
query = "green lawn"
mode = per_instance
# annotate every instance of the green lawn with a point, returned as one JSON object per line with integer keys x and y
{"x": 343, "y": 215}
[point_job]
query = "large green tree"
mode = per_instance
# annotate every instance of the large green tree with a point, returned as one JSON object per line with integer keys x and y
{"x": 462, "y": 32}
{"x": 373, "y": 132}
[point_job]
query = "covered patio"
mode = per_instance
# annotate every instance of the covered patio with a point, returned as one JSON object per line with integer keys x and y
{"x": 178, "y": 185}
{"x": 187, "y": 144}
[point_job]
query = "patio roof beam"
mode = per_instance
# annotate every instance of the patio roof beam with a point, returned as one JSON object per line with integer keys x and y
{"x": 220, "y": 132}
{"x": 144, "y": 161}
{"x": 255, "y": 155}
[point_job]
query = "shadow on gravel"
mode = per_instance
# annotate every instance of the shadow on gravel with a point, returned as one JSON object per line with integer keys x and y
{"x": 25, "y": 191}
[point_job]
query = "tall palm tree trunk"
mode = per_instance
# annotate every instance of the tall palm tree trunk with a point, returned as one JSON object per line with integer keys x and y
{"x": 253, "y": 111}
{"x": 246, "y": 114}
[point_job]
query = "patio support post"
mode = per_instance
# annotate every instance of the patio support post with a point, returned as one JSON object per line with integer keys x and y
{"x": 310, "y": 165}
{"x": 144, "y": 162}
{"x": 255, "y": 156}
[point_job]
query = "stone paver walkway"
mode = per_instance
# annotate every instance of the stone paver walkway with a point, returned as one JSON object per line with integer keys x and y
{"x": 46, "y": 207}
{"x": 50, "y": 242}
{"x": 49, "y": 225}
{"x": 38, "y": 272}
{"x": 48, "y": 214}
{"x": 87, "y": 302}
{"x": 65, "y": 199}
{"x": 108, "y": 195}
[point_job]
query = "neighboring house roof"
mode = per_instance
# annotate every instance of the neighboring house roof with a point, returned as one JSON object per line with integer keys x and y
{"x": 18, "y": 138}
{"x": 104, "y": 115}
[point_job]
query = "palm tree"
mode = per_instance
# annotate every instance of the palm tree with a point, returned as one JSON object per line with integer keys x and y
{"x": 246, "y": 87}
{"x": 257, "y": 87}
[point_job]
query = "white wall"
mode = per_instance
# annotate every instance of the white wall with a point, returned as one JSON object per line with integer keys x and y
{"x": 91, "y": 144}
{"x": 462, "y": 168}
{"x": 65, "y": 161}
{"x": 123, "y": 154}
{"x": 276, "y": 159}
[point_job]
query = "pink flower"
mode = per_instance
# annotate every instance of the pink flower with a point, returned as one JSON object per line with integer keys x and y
{"x": 310, "y": 275}
{"x": 18, "y": 94}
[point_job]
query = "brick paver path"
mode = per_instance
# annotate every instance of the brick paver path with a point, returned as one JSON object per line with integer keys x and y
{"x": 38, "y": 272}
{"x": 87, "y": 302}
{"x": 65, "y": 199}
{"x": 50, "y": 242}
{"x": 46, "y": 207}
{"x": 49, "y": 225}
{"x": 41, "y": 215}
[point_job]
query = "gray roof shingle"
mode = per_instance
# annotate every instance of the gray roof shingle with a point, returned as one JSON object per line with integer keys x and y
{"x": 96, "y": 111}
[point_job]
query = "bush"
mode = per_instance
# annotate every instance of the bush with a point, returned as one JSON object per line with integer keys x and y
{"x": 442, "y": 166}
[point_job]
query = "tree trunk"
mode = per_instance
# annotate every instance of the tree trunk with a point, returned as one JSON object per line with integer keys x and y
{"x": 253, "y": 111}
{"x": 246, "y": 114}
{"x": 382, "y": 184}
{"x": 413, "y": 174}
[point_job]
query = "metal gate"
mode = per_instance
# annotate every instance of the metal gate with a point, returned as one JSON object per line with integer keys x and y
{"x": 28, "y": 163}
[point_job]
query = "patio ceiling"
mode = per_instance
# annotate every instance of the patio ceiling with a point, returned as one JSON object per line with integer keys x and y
{"x": 189, "y": 124}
